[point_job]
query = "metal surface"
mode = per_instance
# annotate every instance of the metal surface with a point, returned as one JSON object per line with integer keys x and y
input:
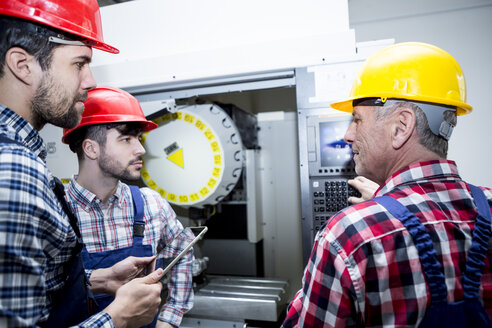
{"x": 253, "y": 210}
{"x": 198, "y": 87}
{"x": 210, "y": 323}
{"x": 240, "y": 298}
{"x": 280, "y": 196}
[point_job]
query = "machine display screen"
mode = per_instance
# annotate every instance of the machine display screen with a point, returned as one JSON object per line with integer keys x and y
{"x": 333, "y": 150}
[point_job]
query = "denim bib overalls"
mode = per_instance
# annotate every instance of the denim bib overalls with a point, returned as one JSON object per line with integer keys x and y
{"x": 466, "y": 313}
{"x": 71, "y": 303}
{"x": 107, "y": 259}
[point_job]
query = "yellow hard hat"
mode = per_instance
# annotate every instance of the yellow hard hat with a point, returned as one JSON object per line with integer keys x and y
{"x": 412, "y": 71}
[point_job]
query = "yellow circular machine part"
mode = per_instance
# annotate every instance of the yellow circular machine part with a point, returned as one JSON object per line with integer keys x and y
{"x": 185, "y": 160}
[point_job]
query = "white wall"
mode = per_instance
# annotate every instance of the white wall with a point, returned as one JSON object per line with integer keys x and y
{"x": 464, "y": 29}
{"x": 166, "y": 41}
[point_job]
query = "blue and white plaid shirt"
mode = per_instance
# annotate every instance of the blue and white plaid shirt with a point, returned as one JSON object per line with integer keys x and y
{"x": 36, "y": 238}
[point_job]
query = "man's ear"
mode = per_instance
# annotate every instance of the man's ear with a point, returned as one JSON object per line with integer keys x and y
{"x": 22, "y": 65}
{"x": 402, "y": 126}
{"x": 91, "y": 149}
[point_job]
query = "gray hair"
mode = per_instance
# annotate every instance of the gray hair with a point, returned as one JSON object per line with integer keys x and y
{"x": 427, "y": 138}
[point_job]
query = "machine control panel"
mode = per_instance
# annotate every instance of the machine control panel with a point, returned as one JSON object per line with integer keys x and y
{"x": 330, "y": 166}
{"x": 329, "y": 196}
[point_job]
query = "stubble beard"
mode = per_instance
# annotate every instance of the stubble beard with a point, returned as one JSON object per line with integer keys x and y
{"x": 51, "y": 105}
{"x": 109, "y": 167}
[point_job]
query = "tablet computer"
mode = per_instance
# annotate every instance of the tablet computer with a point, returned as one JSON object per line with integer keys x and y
{"x": 198, "y": 232}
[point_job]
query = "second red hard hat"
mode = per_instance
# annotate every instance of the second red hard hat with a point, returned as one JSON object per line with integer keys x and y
{"x": 110, "y": 105}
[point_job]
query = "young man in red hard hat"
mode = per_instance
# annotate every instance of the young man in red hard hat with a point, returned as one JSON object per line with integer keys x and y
{"x": 420, "y": 253}
{"x": 117, "y": 220}
{"x": 45, "y": 51}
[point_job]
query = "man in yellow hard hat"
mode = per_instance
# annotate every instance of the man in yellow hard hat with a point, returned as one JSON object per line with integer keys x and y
{"x": 420, "y": 252}
{"x": 45, "y": 51}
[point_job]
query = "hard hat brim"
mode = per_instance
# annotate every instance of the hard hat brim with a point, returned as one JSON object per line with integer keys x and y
{"x": 105, "y": 119}
{"x": 347, "y": 105}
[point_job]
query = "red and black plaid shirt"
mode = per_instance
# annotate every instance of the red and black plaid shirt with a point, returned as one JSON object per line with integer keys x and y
{"x": 364, "y": 268}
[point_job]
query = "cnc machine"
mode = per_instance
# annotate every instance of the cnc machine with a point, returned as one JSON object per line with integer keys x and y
{"x": 246, "y": 144}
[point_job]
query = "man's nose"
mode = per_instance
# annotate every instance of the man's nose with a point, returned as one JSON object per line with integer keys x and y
{"x": 349, "y": 134}
{"x": 88, "y": 81}
{"x": 140, "y": 149}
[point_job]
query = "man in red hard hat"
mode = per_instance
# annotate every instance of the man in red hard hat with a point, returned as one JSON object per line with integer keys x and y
{"x": 136, "y": 222}
{"x": 45, "y": 51}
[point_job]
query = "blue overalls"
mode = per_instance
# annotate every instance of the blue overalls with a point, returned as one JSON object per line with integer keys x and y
{"x": 74, "y": 302}
{"x": 468, "y": 312}
{"x": 70, "y": 304}
{"x": 107, "y": 259}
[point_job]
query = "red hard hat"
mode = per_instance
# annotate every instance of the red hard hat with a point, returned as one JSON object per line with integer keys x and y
{"x": 78, "y": 17}
{"x": 110, "y": 105}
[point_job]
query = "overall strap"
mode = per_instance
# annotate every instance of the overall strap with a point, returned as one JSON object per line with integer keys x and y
{"x": 480, "y": 244}
{"x": 59, "y": 191}
{"x": 138, "y": 210}
{"x": 432, "y": 268}
{"x": 72, "y": 264}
